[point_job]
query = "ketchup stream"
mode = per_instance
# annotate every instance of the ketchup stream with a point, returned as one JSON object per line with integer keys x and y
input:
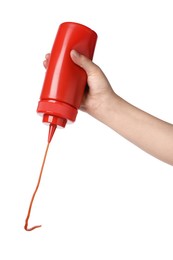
{"x": 33, "y": 196}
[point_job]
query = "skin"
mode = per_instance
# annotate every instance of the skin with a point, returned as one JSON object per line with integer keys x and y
{"x": 146, "y": 131}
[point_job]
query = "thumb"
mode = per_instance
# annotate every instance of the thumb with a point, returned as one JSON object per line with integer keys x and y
{"x": 83, "y": 62}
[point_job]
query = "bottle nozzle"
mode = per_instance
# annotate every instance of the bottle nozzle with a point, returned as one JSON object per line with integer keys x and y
{"x": 52, "y": 129}
{"x": 53, "y": 122}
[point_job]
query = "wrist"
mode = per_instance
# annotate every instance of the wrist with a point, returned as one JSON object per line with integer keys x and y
{"x": 107, "y": 108}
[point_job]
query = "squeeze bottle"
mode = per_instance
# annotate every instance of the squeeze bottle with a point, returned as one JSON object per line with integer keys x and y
{"x": 64, "y": 81}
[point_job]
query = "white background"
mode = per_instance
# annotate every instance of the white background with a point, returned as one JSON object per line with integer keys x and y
{"x": 100, "y": 196}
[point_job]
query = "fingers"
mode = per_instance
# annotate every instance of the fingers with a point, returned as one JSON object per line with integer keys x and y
{"x": 45, "y": 64}
{"x": 84, "y": 62}
{"x": 80, "y": 60}
{"x": 46, "y": 61}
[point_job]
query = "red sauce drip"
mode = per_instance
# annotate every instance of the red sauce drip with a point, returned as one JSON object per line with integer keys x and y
{"x": 33, "y": 196}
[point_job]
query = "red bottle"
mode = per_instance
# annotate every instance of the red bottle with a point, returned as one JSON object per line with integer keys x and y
{"x": 64, "y": 81}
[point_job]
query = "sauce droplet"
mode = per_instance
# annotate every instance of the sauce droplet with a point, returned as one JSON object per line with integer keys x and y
{"x": 33, "y": 196}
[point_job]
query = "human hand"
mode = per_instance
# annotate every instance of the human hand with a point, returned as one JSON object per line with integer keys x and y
{"x": 98, "y": 92}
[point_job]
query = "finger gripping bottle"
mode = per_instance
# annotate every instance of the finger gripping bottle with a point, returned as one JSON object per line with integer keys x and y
{"x": 64, "y": 82}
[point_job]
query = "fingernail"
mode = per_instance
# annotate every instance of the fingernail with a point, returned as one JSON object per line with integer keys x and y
{"x": 75, "y": 53}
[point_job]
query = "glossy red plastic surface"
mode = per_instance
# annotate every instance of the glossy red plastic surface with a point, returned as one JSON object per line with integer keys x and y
{"x": 64, "y": 81}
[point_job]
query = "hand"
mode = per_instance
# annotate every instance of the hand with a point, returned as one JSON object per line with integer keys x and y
{"x": 98, "y": 92}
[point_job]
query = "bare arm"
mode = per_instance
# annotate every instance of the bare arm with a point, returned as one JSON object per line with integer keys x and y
{"x": 149, "y": 133}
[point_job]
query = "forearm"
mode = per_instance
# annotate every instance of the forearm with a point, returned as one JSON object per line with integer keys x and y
{"x": 151, "y": 134}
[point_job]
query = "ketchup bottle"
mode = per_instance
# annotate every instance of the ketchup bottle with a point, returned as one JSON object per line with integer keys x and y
{"x": 64, "y": 81}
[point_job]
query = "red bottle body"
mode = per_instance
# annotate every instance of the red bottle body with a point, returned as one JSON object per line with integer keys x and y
{"x": 64, "y": 81}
